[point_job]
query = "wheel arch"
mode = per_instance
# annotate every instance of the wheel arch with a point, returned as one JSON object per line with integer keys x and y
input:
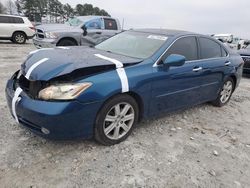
{"x": 132, "y": 94}
{"x": 67, "y": 38}
{"x": 19, "y": 31}
{"x": 234, "y": 79}
{"x": 139, "y": 101}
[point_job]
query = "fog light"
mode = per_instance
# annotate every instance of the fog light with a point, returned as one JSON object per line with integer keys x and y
{"x": 44, "y": 130}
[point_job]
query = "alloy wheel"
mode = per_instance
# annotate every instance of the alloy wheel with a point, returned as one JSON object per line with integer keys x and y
{"x": 19, "y": 38}
{"x": 226, "y": 91}
{"x": 119, "y": 121}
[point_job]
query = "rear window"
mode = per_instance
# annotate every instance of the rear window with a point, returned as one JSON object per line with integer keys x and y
{"x": 110, "y": 24}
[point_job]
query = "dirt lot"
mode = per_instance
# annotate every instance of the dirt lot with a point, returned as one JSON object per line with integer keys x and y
{"x": 200, "y": 147}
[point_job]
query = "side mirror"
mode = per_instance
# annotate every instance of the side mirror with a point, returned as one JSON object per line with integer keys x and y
{"x": 85, "y": 32}
{"x": 229, "y": 40}
{"x": 174, "y": 60}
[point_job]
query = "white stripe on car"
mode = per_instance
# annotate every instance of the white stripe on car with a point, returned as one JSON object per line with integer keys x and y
{"x": 120, "y": 71}
{"x": 34, "y": 66}
{"x": 14, "y": 100}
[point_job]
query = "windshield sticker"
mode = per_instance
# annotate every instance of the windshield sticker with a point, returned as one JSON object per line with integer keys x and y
{"x": 157, "y": 37}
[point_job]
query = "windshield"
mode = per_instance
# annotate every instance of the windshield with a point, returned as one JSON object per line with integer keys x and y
{"x": 133, "y": 44}
{"x": 74, "y": 22}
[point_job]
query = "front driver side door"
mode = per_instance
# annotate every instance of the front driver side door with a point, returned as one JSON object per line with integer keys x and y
{"x": 177, "y": 87}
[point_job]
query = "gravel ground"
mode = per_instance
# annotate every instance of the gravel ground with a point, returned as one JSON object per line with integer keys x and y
{"x": 200, "y": 147}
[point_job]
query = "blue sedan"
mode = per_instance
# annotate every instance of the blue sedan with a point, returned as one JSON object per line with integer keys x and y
{"x": 103, "y": 91}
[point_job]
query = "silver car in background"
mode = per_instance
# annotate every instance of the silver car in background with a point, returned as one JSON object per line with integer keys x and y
{"x": 78, "y": 31}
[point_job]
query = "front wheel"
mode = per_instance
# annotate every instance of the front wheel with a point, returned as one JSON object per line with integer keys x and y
{"x": 225, "y": 93}
{"x": 116, "y": 119}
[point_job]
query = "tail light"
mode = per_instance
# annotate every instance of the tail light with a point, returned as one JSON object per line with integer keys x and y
{"x": 33, "y": 28}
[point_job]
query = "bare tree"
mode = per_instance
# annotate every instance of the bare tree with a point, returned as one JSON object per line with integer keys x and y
{"x": 11, "y": 7}
{"x": 18, "y": 7}
{"x": 2, "y": 8}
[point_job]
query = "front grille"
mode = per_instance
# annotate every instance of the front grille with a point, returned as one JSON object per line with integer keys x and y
{"x": 31, "y": 88}
{"x": 40, "y": 36}
{"x": 247, "y": 61}
{"x": 39, "y": 33}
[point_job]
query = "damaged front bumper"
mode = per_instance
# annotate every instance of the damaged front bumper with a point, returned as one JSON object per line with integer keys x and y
{"x": 44, "y": 43}
{"x": 54, "y": 119}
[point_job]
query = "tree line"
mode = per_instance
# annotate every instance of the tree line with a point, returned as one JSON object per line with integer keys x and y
{"x": 53, "y": 10}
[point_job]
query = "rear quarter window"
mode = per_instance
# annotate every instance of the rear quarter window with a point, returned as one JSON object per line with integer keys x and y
{"x": 210, "y": 49}
{"x": 223, "y": 52}
{"x": 17, "y": 20}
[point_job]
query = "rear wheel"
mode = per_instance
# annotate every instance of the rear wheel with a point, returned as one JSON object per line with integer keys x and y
{"x": 67, "y": 42}
{"x": 19, "y": 38}
{"x": 116, "y": 119}
{"x": 225, "y": 93}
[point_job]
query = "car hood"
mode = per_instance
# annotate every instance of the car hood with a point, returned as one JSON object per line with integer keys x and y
{"x": 61, "y": 61}
{"x": 57, "y": 27}
{"x": 244, "y": 52}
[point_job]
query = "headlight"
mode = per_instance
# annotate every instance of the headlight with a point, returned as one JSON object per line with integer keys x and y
{"x": 51, "y": 35}
{"x": 63, "y": 91}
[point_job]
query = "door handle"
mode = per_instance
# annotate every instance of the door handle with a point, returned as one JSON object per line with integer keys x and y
{"x": 99, "y": 33}
{"x": 196, "y": 69}
{"x": 227, "y": 63}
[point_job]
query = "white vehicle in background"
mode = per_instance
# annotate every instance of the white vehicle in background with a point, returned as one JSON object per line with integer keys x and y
{"x": 16, "y": 28}
{"x": 229, "y": 40}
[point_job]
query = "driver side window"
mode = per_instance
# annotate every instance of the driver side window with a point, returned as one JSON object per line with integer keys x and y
{"x": 94, "y": 24}
{"x": 186, "y": 46}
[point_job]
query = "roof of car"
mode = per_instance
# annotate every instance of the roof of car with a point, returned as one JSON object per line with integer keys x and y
{"x": 168, "y": 32}
{"x": 11, "y": 15}
{"x": 92, "y": 17}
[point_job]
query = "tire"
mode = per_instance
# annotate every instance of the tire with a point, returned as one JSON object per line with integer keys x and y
{"x": 19, "y": 38}
{"x": 66, "y": 42}
{"x": 116, "y": 120}
{"x": 226, "y": 91}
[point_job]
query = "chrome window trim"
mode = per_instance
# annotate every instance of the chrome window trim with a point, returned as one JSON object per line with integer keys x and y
{"x": 155, "y": 64}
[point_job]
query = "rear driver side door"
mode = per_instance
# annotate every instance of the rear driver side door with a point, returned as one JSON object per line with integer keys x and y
{"x": 215, "y": 64}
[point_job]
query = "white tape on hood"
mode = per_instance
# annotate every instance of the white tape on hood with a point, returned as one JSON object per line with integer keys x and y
{"x": 120, "y": 71}
{"x": 14, "y": 100}
{"x": 116, "y": 62}
{"x": 38, "y": 50}
{"x": 34, "y": 66}
{"x": 63, "y": 47}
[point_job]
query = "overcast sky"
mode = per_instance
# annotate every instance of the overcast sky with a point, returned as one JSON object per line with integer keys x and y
{"x": 202, "y": 16}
